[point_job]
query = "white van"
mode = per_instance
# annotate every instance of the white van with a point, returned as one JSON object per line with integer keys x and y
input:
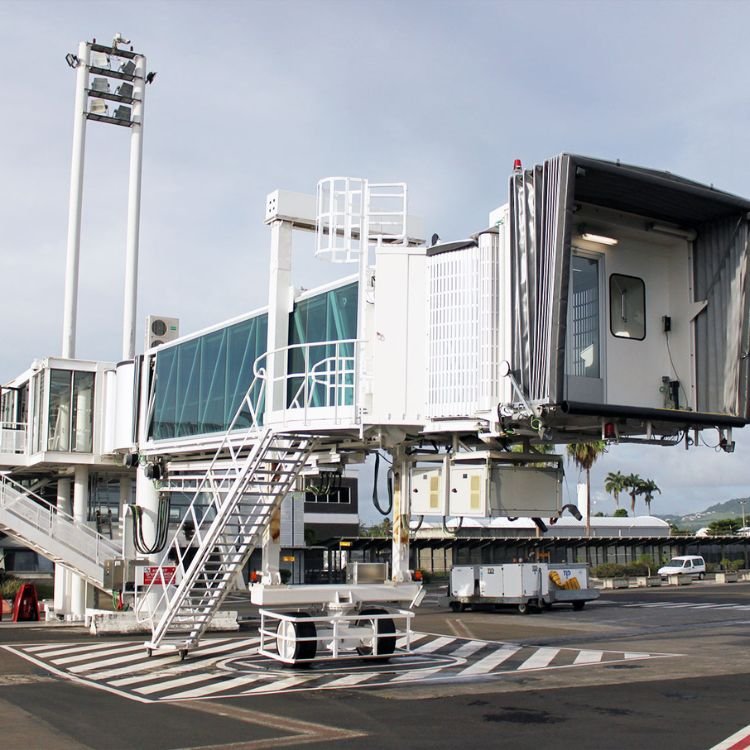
{"x": 689, "y": 565}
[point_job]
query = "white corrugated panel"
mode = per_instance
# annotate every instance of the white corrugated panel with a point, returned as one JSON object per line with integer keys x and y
{"x": 463, "y": 307}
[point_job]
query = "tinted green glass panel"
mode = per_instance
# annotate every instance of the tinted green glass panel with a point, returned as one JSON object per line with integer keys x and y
{"x": 331, "y": 316}
{"x": 201, "y": 383}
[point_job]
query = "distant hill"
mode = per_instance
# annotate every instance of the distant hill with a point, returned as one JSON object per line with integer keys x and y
{"x": 718, "y": 512}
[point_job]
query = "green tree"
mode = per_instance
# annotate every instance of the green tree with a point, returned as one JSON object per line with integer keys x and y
{"x": 632, "y": 484}
{"x": 647, "y": 489}
{"x": 584, "y": 456}
{"x": 724, "y": 526}
{"x": 621, "y": 513}
{"x": 614, "y": 484}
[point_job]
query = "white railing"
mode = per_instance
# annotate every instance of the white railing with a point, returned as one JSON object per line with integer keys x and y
{"x": 322, "y": 385}
{"x": 12, "y": 437}
{"x": 52, "y": 531}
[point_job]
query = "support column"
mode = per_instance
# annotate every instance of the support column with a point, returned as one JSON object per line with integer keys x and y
{"x": 584, "y": 506}
{"x": 147, "y": 496}
{"x": 62, "y": 575}
{"x": 279, "y": 305}
{"x": 400, "y": 571}
{"x": 272, "y": 550}
{"x": 126, "y": 527}
{"x": 80, "y": 513}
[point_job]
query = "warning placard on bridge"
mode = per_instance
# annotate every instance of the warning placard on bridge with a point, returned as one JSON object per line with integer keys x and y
{"x": 157, "y": 575}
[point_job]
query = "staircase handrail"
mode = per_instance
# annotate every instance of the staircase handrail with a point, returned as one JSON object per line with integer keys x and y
{"x": 110, "y": 549}
{"x": 229, "y": 445}
{"x": 317, "y": 373}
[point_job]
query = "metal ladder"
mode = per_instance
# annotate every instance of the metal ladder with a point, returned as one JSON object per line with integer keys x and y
{"x": 243, "y": 484}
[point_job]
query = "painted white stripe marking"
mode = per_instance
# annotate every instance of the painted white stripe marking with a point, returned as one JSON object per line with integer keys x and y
{"x": 107, "y": 652}
{"x": 160, "y": 687}
{"x": 196, "y": 662}
{"x": 635, "y": 655}
{"x": 217, "y": 688}
{"x": 735, "y": 741}
{"x": 541, "y": 658}
{"x": 280, "y": 685}
{"x": 352, "y": 679}
{"x": 488, "y": 663}
{"x": 129, "y": 659}
{"x": 468, "y": 649}
{"x": 588, "y": 657}
{"x": 428, "y": 648}
{"x": 58, "y": 649}
{"x": 415, "y": 638}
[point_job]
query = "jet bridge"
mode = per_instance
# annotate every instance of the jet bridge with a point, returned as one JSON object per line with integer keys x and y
{"x": 603, "y": 301}
{"x": 606, "y": 301}
{"x": 588, "y": 309}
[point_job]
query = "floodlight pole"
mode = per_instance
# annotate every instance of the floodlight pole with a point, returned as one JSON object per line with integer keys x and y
{"x": 130, "y": 301}
{"x": 74, "y": 207}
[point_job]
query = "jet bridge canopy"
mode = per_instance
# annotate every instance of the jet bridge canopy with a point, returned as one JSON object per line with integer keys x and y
{"x": 547, "y": 203}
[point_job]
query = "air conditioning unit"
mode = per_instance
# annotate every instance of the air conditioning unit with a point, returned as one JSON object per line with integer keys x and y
{"x": 160, "y": 330}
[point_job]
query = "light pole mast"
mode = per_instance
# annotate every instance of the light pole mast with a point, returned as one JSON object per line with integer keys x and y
{"x": 107, "y": 76}
{"x": 70, "y": 313}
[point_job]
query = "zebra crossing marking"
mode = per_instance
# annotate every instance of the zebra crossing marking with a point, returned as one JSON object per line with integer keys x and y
{"x": 231, "y": 667}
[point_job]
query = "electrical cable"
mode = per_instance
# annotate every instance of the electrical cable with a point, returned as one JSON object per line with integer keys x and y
{"x": 457, "y": 529}
{"x": 414, "y": 529}
{"x": 674, "y": 369}
{"x": 375, "y": 498}
{"x": 162, "y": 527}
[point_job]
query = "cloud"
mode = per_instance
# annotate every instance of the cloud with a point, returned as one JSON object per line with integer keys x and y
{"x": 251, "y": 97}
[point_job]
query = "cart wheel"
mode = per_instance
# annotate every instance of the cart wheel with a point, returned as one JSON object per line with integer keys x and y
{"x": 456, "y": 606}
{"x": 523, "y": 608}
{"x": 149, "y": 652}
{"x": 578, "y": 606}
{"x": 183, "y": 654}
{"x": 384, "y": 628}
{"x": 289, "y": 643}
{"x": 546, "y": 606}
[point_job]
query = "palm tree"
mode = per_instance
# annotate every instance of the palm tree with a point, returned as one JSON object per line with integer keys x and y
{"x": 647, "y": 489}
{"x": 584, "y": 455}
{"x": 614, "y": 484}
{"x": 632, "y": 484}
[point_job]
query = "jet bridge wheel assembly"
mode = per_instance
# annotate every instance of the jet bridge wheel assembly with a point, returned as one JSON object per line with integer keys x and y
{"x": 383, "y": 630}
{"x": 292, "y": 641}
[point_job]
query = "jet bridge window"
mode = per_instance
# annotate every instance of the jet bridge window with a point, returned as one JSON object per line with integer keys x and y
{"x": 71, "y": 415}
{"x": 627, "y": 307}
{"x": 583, "y": 317}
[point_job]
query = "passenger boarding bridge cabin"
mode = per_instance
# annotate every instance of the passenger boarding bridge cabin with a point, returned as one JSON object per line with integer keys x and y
{"x": 601, "y": 301}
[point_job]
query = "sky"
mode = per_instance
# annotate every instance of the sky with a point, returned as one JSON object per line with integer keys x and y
{"x": 258, "y": 95}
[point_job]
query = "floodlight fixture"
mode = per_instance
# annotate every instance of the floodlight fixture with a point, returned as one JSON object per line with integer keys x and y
{"x": 122, "y": 113}
{"x": 98, "y": 107}
{"x": 99, "y": 60}
{"x": 100, "y": 84}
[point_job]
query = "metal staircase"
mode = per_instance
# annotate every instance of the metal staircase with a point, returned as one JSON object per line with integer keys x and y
{"x": 48, "y": 530}
{"x": 233, "y": 503}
